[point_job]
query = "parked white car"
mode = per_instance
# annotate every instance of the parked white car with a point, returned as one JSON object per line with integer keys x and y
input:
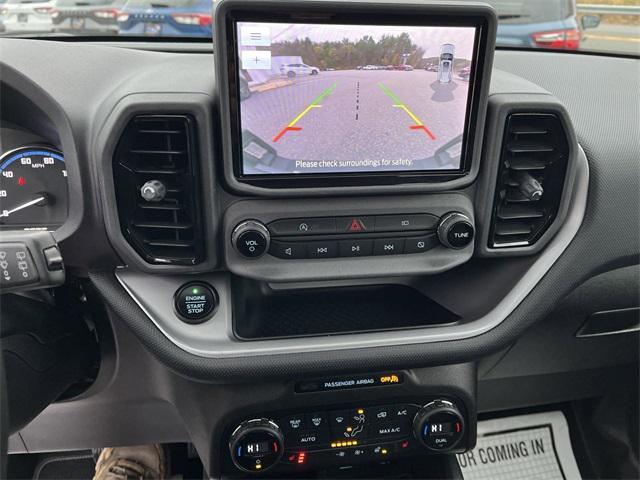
{"x": 294, "y": 69}
{"x": 27, "y": 16}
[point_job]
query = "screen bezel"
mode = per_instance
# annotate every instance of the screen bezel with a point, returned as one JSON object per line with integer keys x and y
{"x": 357, "y": 13}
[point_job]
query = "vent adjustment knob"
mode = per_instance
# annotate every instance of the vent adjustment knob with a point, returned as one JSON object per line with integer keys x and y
{"x": 153, "y": 191}
{"x": 529, "y": 186}
{"x": 455, "y": 230}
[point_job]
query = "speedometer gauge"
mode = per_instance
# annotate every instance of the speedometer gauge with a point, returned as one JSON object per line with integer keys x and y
{"x": 33, "y": 189}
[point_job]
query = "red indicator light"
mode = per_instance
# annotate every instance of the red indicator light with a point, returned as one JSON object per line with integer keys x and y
{"x": 405, "y": 444}
{"x": 301, "y": 458}
{"x": 21, "y": 181}
{"x": 458, "y": 427}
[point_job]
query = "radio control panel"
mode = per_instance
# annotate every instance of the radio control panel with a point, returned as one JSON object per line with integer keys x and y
{"x": 333, "y": 238}
{"x": 352, "y": 236}
{"x": 347, "y": 435}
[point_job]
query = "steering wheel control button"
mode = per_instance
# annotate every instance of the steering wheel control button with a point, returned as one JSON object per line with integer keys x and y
{"x": 455, "y": 230}
{"x": 439, "y": 425}
{"x": 196, "y": 302}
{"x": 303, "y": 226}
{"x": 404, "y": 223}
{"x": 251, "y": 239}
{"x": 256, "y": 445}
{"x": 53, "y": 258}
{"x": 16, "y": 265}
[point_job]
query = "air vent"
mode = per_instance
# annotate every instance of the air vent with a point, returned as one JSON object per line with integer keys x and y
{"x": 530, "y": 181}
{"x": 160, "y": 149}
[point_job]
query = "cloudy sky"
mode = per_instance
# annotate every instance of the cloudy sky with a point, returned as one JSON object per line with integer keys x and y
{"x": 429, "y": 38}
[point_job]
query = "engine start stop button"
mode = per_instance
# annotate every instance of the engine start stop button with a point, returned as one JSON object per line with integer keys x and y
{"x": 196, "y": 302}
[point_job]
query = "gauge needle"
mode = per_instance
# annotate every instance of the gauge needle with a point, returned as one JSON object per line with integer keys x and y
{"x": 6, "y": 213}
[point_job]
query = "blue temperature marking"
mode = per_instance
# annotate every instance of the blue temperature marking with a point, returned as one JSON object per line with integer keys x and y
{"x": 29, "y": 153}
{"x": 239, "y": 451}
{"x": 426, "y": 428}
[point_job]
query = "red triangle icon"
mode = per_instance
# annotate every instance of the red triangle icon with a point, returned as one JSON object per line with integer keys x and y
{"x": 356, "y": 226}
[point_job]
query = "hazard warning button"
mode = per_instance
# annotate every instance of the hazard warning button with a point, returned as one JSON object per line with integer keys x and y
{"x": 355, "y": 224}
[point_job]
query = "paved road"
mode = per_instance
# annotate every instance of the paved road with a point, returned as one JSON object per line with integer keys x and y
{"x": 350, "y": 115}
{"x": 608, "y": 37}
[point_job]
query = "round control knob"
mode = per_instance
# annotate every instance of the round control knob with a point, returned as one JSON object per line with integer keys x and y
{"x": 250, "y": 239}
{"x": 153, "y": 191}
{"x": 256, "y": 445}
{"x": 439, "y": 425}
{"x": 455, "y": 230}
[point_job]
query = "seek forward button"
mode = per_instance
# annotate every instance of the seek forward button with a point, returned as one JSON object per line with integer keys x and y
{"x": 388, "y": 246}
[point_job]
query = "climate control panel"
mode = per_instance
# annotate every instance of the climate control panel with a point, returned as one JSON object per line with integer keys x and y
{"x": 345, "y": 436}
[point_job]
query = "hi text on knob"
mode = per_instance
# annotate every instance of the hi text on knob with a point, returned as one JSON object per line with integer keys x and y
{"x": 439, "y": 425}
{"x": 256, "y": 445}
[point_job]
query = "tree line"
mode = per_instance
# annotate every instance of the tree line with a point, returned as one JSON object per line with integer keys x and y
{"x": 348, "y": 54}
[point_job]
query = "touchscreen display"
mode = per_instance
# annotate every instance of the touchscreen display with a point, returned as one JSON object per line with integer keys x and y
{"x": 319, "y": 98}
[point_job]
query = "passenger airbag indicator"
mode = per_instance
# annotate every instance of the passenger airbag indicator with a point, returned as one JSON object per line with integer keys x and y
{"x": 342, "y": 383}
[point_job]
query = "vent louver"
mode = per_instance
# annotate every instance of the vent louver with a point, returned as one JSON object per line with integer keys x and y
{"x": 530, "y": 179}
{"x": 159, "y": 148}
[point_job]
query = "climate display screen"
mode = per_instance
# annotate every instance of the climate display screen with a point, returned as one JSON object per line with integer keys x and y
{"x": 318, "y": 98}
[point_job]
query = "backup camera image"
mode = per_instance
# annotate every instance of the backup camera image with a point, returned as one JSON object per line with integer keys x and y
{"x": 317, "y": 98}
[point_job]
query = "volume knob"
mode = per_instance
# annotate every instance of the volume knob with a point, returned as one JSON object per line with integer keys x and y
{"x": 250, "y": 239}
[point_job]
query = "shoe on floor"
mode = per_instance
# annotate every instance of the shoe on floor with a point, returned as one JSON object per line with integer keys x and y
{"x": 144, "y": 462}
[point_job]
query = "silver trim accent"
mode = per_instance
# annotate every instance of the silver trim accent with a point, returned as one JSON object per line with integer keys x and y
{"x": 214, "y": 338}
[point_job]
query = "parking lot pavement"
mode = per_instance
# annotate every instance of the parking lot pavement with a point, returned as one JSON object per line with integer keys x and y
{"x": 399, "y": 116}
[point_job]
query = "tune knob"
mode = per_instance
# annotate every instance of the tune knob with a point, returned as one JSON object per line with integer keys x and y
{"x": 439, "y": 425}
{"x": 455, "y": 230}
{"x": 256, "y": 445}
{"x": 250, "y": 239}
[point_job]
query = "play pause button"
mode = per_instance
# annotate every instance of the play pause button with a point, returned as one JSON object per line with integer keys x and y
{"x": 356, "y": 248}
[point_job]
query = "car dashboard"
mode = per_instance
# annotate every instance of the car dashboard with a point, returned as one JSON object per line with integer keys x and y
{"x": 249, "y": 317}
